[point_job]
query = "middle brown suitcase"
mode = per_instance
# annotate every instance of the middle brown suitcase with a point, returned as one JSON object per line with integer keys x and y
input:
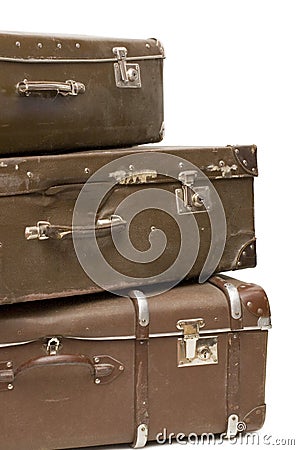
{"x": 38, "y": 197}
{"x": 105, "y": 370}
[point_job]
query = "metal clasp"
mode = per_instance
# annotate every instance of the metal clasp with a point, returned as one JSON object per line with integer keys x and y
{"x": 38, "y": 231}
{"x": 194, "y": 350}
{"x": 126, "y": 75}
{"x": 190, "y": 198}
{"x": 53, "y": 346}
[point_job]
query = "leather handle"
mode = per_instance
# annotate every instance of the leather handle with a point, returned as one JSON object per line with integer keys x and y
{"x": 97, "y": 370}
{"x": 44, "y": 230}
{"x": 69, "y": 87}
{"x": 103, "y": 368}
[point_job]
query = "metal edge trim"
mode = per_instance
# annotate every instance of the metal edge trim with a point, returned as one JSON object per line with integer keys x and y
{"x": 76, "y": 60}
{"x": 141, "y": 436}
{"x": 234, "y": 300}
{"x": 153, "y": 335}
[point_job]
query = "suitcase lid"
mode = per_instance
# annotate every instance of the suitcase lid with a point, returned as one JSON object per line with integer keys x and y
{"x": 210, "y": 307}
{"x": 24, "y": 175}
{"x": 43, "y": 48}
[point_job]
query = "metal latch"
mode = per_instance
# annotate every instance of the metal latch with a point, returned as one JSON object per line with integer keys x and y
{"x": 126, "y": 75}
{"x": 190, "y": 198}
{"x": 194, "y": 350}
{"x": 53, "y": 345}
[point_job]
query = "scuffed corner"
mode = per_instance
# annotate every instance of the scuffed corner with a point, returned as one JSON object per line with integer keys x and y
{"x": 246, "y": 156}
{"x": 160, "y": 46}
{"x": 255, "y": 419}
{"x": 247, "y": 255}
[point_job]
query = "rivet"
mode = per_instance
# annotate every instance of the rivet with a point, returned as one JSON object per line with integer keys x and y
{"x": 29, "y": 174}
{"x": 10, "y": 386}
{"x": 147, "y": 46}
{"x": 141, "y": 342}
{"x": 235, "y": 336}
{"x": 153, "y": 228}
{"x": 244, "y": 253}
{"x": 234, "y": 418}
{"x": 40, "y": 45}
{"x": 239, "y": 263}
{"x": 78, "y": 45}
{"x": 58, "y": 45}
{"x": 18, "y": 44}
{"x": 253, "y": 169}
{"x": 97, "y": 381}
{"x": 0, "y": 244}
{"x": 181, "y": 165}
{"x": 245, "y": 162}
{"x": 121, "y": 368}
{"x": 260, "y": 311}
{"x": 131, "y": 167}
{"x": 216, "y": 319}
{"x": 249, "y": 304}
{"x": 221, "y": 163}
{"x": 237, "y": 150}
{"x": 181, "y": 363}
{"x": 237, "y": 313}
{"x": 251, "y": 246}
{"x": 9, "y": 364}
{"x": 96, "y": 360}
{"x": 86, "y": 170}
{"x": 17, "y": 166}
{"x": 142, "y": 428}
{"x": 143, "y": 320}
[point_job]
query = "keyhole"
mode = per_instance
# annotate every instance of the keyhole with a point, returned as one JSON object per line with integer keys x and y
{"x": 205, "y": 353}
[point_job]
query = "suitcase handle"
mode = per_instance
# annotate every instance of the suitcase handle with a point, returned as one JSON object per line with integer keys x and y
{"x": 103, "y": 368}
{"x": 44, "y": 230}
{"x": 69, "y": 87}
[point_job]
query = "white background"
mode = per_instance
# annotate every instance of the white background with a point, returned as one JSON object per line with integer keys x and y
{"x": 231, "y": 77}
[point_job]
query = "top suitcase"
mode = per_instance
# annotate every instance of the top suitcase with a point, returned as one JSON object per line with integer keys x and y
{"x": 68, "y": 92}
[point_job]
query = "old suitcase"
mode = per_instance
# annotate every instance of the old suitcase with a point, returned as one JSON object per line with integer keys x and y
{"x": 68, "y": 92}
{"x": 106, "y": 370}
{"x": 206, "y": 217}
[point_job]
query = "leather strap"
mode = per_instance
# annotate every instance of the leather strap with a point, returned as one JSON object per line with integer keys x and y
{"x": 141, "y": 368}
{"x": 233, "y": 375}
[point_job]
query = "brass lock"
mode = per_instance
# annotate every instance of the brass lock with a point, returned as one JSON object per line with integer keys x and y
{"x": 193, "y": 349}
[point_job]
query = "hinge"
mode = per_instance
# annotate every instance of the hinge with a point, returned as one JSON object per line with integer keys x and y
{"x": 194, "y": 350}
{"x": 190, "y": 198}
{"x": 126, "y": 75}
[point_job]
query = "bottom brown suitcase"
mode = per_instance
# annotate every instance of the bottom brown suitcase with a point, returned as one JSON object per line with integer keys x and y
{"x": 97, "y": 370}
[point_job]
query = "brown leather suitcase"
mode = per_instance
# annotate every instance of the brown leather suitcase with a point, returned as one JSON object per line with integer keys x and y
{"x": 39, "y": 198}
{"x": 68, "y": 92}
{"x": 105, "y": 370}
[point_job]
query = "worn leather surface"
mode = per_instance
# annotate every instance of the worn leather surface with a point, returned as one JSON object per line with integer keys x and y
{"x": 181, "y": 399}
{"x": 46, "y": 188}
{"x": 103, "y": 116}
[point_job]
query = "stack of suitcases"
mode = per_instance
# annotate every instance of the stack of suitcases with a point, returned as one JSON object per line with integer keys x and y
{"x": 98, "y": 347}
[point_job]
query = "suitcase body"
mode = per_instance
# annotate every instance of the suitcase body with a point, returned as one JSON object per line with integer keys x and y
{"x": 105, "y": 370}
{"x": 68, "y": 92}
{"x": 39, "y": 204}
